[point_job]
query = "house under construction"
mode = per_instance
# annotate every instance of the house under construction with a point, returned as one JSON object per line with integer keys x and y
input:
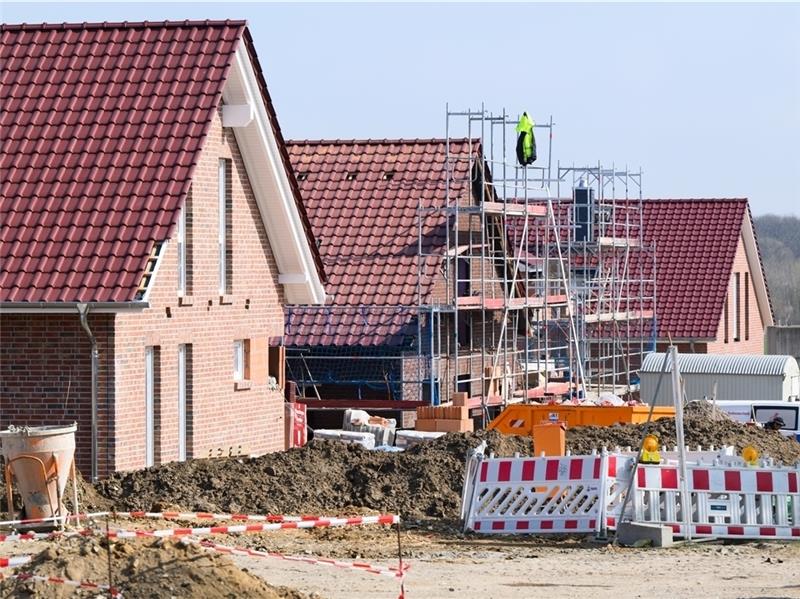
{"x": 453, "y": 268}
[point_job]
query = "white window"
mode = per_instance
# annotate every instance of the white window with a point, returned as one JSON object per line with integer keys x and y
{"x": 150, "y": 406}
{"x": 223, "y": 226}
{"x": 238, "y": 360}
{"x": 182, "y": 372}
{"x": 182, "y": 252}
{"x": 241, "y": 360}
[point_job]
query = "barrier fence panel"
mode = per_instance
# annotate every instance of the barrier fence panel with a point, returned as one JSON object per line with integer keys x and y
{"x": 733, "y": 502}
{"x": 543, "y": 495}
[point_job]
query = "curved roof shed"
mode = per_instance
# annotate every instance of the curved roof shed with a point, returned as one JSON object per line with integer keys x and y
{"x": 737, "y": 377}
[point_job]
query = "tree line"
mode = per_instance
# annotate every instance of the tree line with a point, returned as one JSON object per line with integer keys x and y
{"x": 779, "y": 242}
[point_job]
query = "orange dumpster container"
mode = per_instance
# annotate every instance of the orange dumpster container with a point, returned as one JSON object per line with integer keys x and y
{"x": 519, "y": 419}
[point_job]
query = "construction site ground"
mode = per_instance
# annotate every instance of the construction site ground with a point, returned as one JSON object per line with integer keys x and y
{"x": 423, "y": 486}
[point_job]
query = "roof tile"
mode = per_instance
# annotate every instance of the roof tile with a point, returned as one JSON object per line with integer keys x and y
{"x": 90, "y": 147}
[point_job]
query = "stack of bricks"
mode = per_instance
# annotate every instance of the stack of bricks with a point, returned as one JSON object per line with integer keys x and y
{"x": 449, "y": 418}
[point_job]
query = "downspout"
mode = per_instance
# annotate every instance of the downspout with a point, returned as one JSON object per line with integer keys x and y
{"x": 83, "y": 310}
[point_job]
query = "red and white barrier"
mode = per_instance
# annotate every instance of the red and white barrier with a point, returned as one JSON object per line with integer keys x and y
{"x": 547, "y": 495}
{"x": 733, "y": 502}
{"x": 391, "y": 571}
{"x": 14, "y": 561}
{"x": 79, "y": 584}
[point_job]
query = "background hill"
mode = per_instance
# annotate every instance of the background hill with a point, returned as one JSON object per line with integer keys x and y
{"x": 779, "y": 241}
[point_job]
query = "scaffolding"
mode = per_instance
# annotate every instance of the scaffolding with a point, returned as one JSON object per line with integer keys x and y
{"x": 522, "y": 294}
{"x": 539, "y": 295}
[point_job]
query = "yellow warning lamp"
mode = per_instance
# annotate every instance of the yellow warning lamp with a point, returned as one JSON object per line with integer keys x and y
{"x": 650, "y": 453}
{"x": 750, "y": 455}
{"x": 650, "y": 443}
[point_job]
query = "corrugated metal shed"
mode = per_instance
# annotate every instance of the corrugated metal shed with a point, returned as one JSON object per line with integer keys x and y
{"x": 737, "y": 377}
{"x": 725, "y": 364}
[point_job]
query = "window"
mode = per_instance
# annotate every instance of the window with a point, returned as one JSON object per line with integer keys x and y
{"x": 184, "y": 248}
{"x": 152, "y": 401}
{"x": 241, "y": 360}
{"x": 184, "y": 401}
{"x": 747, "y": 306}
{"x": 725, "y": 318}
{"x": 225, "y": 236}
{"x": 735, "y": 316}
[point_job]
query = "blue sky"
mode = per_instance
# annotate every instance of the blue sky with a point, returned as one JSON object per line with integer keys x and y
{"x": 705, "y": 98}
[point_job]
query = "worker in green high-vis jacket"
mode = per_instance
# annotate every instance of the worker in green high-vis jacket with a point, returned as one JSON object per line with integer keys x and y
{"x": 526, "y": 142}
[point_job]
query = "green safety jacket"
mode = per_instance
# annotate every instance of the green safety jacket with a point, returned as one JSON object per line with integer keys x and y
{"x": 526, "y": 142}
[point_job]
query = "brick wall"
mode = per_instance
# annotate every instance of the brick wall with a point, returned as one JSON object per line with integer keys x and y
{"x": 218, "y": 414}
{"x": 45, "y": 377}
{"x": 751, "y": 327}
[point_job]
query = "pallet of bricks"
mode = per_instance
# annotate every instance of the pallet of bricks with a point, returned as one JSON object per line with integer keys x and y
{"x": 446, "y": 418}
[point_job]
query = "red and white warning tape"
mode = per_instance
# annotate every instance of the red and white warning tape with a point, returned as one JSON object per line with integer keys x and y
{"x": 14, "y": 561}
{"x": 81, "y": 584}
{"x": 209, "y": 530}
{"x": 245, "y": 528}
{"x": 169, "y": 516}
{"x": 204, "y": 516}
{"x": 390, "y": 571}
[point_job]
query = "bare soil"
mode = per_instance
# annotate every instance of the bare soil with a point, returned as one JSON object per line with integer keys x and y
{"x": 423, "y": 482}
{"x": 700, "y": 428}
{"x": 150, "y": 568}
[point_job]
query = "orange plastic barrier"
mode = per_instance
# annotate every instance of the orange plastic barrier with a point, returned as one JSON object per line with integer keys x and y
{"x": 520, "y": 419}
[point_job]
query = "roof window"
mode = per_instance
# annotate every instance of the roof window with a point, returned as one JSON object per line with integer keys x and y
{"x": 351, "y": 176}
{"x": 388, "y": 175}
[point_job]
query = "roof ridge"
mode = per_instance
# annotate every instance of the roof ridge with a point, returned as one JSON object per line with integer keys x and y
{"x": 693, "y": 199}
{"x": 376, "y": 141}
{"x": 121, "y": 25}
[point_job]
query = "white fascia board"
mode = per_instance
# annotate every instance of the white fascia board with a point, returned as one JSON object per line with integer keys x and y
{"x": 756, "y": 273}
{"x": 259, "y": 149}
{"x": 71, "y": 307}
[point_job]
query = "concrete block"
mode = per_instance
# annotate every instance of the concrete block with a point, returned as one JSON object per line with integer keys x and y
{"x": 633, "y": 533}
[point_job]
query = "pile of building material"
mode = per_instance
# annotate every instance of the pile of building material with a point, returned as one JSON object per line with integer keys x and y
{"x": 446, "y": 418}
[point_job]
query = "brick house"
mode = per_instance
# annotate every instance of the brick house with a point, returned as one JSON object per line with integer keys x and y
{"x": 152, "y": 234}
{"x": 712, "y": 295}
{"x": 377, "y": 212}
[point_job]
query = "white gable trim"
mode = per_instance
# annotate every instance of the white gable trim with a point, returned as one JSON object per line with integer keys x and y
{"x": 271, "y": 187}
{"x": 756, "y": 273}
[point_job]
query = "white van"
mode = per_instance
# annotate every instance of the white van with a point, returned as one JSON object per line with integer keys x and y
{"x": 765, "y": 411}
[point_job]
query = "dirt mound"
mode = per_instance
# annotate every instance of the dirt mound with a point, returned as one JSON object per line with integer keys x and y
{"x": 152, "y": 568}
{"x": 702, "y": 426}
{"x": 422, "y": 482}
{"x": 323, "y": 477}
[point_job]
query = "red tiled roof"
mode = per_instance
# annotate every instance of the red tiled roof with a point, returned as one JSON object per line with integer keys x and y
{"x": 362, "y": 197}
{"x": 102, "y": 127}
{"x": 696, "y": 244}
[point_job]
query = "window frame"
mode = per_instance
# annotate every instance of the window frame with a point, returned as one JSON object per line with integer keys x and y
{"x": 150, "y": 406}
{"x": 182, "y": 262}
{"x": 241, "y": 360}
{"x": 182, "y": 401}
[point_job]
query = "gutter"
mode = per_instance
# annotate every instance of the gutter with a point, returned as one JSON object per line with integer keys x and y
{"x": 69, "y": 307}
{"x": 83, "y": 311}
